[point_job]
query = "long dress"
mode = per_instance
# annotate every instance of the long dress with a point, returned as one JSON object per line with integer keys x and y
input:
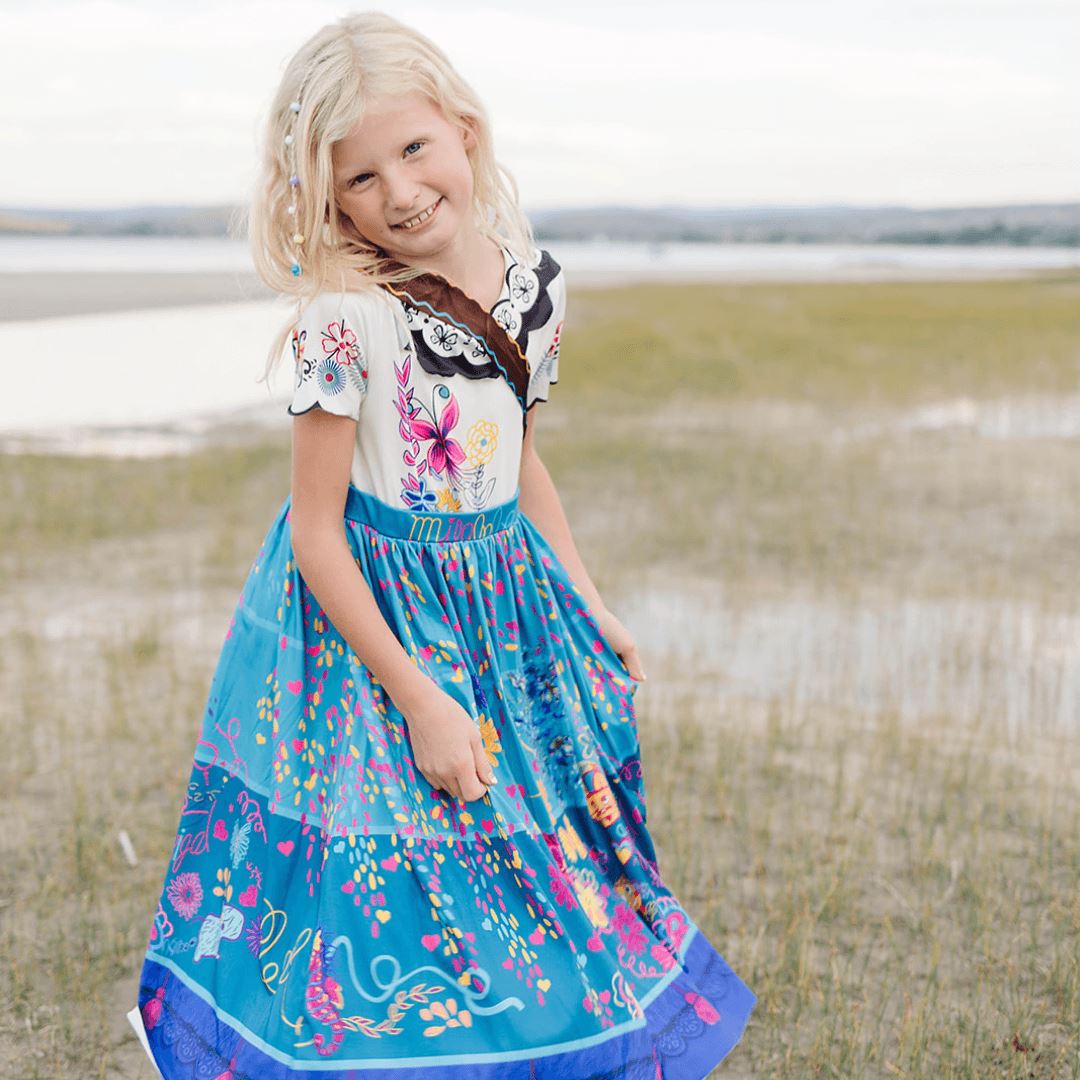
{"x": 326, "y": 912}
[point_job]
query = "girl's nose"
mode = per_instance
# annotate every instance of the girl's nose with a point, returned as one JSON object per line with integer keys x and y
{"x": 401, "y": 192}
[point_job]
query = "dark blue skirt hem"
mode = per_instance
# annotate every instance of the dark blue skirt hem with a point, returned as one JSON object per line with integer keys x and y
{"x": 689, "y": 1027}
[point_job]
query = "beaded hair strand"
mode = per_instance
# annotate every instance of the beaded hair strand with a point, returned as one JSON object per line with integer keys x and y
{"x": 294, "y": 184}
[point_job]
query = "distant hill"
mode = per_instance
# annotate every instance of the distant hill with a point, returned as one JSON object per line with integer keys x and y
{"x": 1019, "y": 225}
{"x": 125, "y": 221}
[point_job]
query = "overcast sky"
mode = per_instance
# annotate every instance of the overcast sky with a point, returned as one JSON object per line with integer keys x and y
{"x": 754, "y": 102}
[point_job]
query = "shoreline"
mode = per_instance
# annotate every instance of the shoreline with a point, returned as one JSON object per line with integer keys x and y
{"x": 53, "y": 294}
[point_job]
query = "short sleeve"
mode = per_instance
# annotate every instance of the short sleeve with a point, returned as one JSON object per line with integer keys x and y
{"x": 545, "y": 372}
{"x": 331, "y": 370}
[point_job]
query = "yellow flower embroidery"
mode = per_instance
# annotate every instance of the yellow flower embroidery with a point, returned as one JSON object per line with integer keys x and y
{"x": 223, "y": 888}
{"x": 481, "y": 441}
{"x": 492, "y": 746}
{"x": 448, "y": 1014}
{"x": 448, "y": 501}
{"x": 588, "y": 896}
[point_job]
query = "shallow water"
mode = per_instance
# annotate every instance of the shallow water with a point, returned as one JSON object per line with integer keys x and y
{"x": 1010, "y": 666}
{"x": 138, "y": 379}
{"x": 631, "y": 261}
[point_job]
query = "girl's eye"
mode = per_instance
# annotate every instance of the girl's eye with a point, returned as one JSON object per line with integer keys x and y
{"x": 363, "y": 176}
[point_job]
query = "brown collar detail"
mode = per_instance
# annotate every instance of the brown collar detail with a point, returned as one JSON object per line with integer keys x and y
{"x": 433, "y": 293}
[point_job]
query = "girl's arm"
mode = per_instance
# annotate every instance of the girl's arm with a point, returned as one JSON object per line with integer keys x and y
{"x": 540, "y": 503}
{"x": 322, "y": 455}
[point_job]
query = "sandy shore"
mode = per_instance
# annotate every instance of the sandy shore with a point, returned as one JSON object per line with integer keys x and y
{"x": 46, "y": 294}
{"x": 41, "y": 295}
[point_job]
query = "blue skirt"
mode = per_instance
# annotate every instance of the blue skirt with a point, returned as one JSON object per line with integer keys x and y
{"x": 328, "y": 913}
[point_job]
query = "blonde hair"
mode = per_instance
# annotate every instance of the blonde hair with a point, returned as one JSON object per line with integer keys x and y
{"x": 335, "y": 75}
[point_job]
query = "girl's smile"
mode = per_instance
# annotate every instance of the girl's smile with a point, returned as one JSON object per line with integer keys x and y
{"x": 422, "y": 218}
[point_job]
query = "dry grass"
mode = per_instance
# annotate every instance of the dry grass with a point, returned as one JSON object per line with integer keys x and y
{"x": 898, "y": 885}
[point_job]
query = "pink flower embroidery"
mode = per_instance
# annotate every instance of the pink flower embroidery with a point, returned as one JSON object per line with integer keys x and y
{"x": 444, "y": 454}
{"x": 628, "y": 925}
{"x": 562, "y": 888}
{"x": 703, "y": 1007}
{"x": 339, "y": 342}
{"x": 185, "y": 894}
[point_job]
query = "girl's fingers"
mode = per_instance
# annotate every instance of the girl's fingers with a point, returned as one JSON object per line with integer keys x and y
{"x": 633, "y": 664}
{"x": 483, "y": 766}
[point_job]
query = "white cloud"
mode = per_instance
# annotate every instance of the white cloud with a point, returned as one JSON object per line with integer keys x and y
{"x": 735, "y": 102}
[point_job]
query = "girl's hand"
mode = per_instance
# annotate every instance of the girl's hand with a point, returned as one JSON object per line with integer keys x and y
{"x": 448, "y": 748}
{"x": 622, "y": 641}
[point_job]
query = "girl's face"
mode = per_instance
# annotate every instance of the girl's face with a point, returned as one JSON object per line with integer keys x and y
{"x": 402, "y": 160}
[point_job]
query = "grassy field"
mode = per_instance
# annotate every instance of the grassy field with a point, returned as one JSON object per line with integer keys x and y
{"x": 897, "y": 879}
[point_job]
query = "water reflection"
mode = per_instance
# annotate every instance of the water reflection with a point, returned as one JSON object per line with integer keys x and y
{"x": 1011, "y": 667}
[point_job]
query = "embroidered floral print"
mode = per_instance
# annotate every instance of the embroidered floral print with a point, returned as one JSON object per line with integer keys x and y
{"x": 335, "y": 381}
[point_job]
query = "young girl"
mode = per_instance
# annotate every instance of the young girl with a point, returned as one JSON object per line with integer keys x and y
{"x": 414, "y": 840}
